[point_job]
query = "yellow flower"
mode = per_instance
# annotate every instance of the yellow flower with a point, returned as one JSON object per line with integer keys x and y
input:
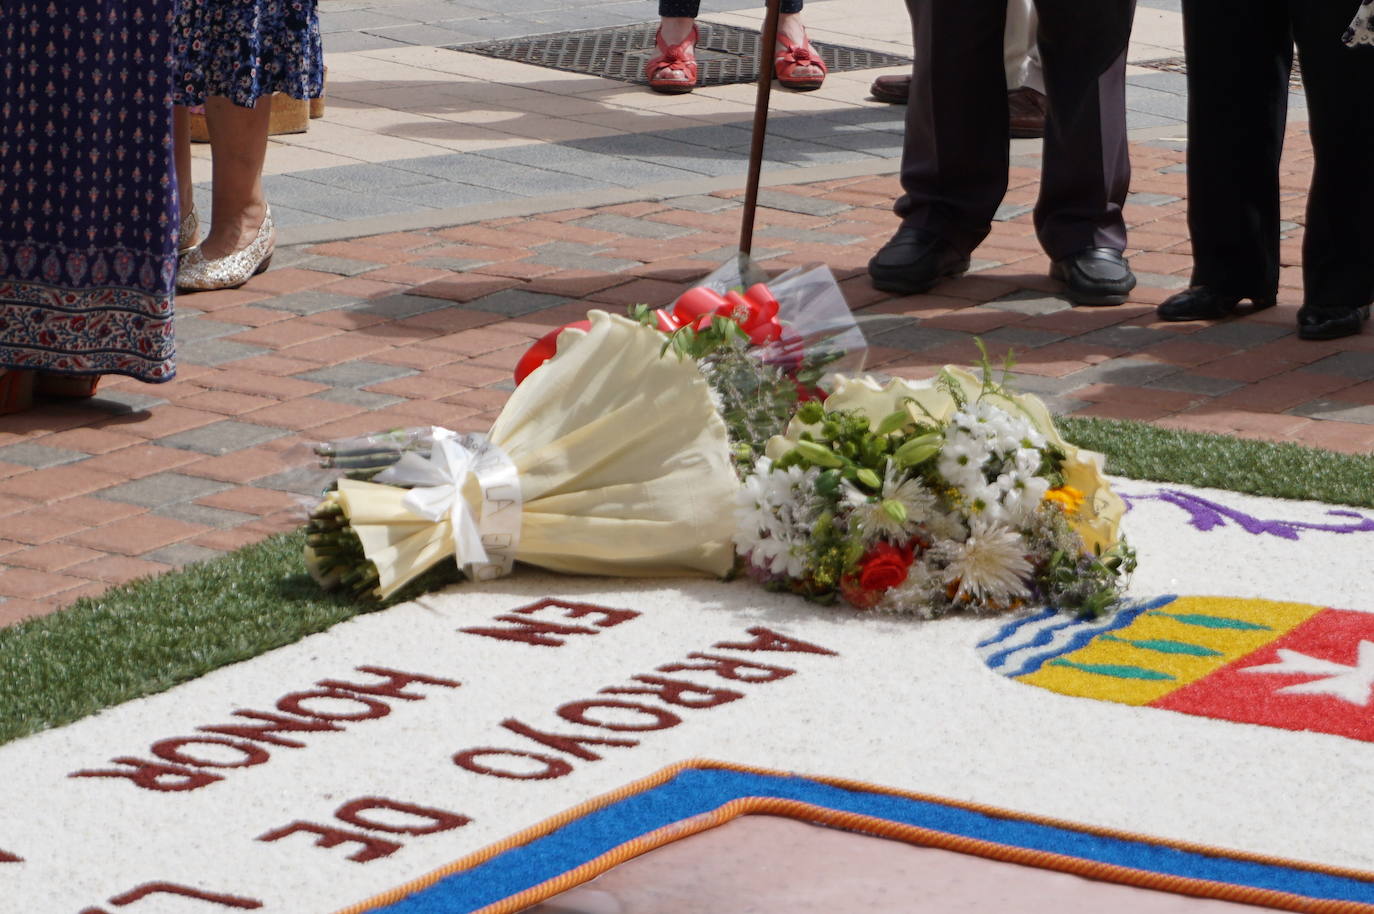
{"x": 1066, "y": 497}
{"x": 1098, "y": 519}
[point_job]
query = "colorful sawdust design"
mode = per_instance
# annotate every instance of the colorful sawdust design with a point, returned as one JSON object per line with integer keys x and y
{"x": 1293, "y": 666}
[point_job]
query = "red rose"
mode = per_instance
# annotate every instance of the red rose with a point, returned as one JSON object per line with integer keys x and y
{"x": 884, "y": 566}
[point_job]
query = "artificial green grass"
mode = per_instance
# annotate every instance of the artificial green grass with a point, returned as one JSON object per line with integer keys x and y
{"x": 1278, "y": 470}
{"x": 149, "y": 635}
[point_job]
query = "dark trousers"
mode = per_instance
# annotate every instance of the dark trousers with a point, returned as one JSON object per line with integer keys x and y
{"x": 1239, "y": 55}
{"x": 956, "y": 154}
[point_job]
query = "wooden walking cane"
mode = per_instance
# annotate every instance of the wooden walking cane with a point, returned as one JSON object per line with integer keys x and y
{"x": 767, "y": 41}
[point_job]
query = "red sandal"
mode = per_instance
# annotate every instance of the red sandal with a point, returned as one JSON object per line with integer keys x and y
{"x": 792, "y": 58}
{"x": 681, "y": 58}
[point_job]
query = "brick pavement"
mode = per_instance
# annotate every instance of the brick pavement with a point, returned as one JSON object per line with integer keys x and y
{"x": 424, "y": 327}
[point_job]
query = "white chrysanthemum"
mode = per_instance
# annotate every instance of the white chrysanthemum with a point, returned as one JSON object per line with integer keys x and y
{"x": 774, "y": 511}
{"x": 961, "y": 460}
{"x": 1022, "y": 497}
{"x": 990, "y": 566}
{"x": 874, "y": 521}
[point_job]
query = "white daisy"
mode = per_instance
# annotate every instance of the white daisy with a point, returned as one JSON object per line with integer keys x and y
{"x": 990, "y": 566}
{"x": 872, "y": 516}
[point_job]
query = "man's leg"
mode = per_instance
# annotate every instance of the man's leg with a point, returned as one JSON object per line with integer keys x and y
{"x": 955, "y": 154}
{"x": 1338, "y": 248}
{"x": 1239, "y": 57}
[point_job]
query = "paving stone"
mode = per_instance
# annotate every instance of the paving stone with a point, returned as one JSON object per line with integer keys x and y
{"x": 216, "y": 352}
{"x": 729, "y": 252}
{"x": 1009, "y": 211}
{"x": 663, "y": 149}
{"x": 300, "y": 480}
{"x": 569, "y": 255}
{"x": 1061, "y": 405}
{"x": 1027, "y": 337}
{"x": 1028, "y": 301}
{"x": 38, "y": 455}
{"x": 1335, "y": 409}
{"x": 162, "y": 489}
{"x": 636, "y": 228}
{"x": 179, "y": 555}
{"x": 398, "y": 307}
{"x": 366, "y": 177}
{"x": 447, "y": 194}
{"x": 517, "y": 302}
{"x": 345, "y": 42}
{"x": 1196, "y": 384}
{"x": 786, "y": 151}
{"x": 1041, "y": 385}
{"x": 1180, "y": 168}
{"x": 1161, "y": 81}
{"x": 364, "y": 398}
{"x": 357, "y": 374}
{"x": 1125, "y": 337}
{"x": 1247, "y": 335}
{"x": 354, "y": 20}
{"x": 195, "y": 329}
{"x": 1161, "y": 281}
{"x": 1145, "y": 199}
{"x": 219, "y": 438}
{"x": 1154, "y": 101}
{"x": 483, "y": 171}
{"x": 124, "y": 401}
{"x": 808, "y": 236}
{"x": 1123, "y": 372}
{"x": 703, "y": 203}
{"x": 455, "y": 264}
{"x": 294, "y": 256}
{"x": 1353, "y": 364}
{"x": 799, "y": 203}
{"x": 217, "y": 518}
{"x": 881, "y": 143}
{"x": 916, "y": 338}
{"x": 339, "y": 266}
{"x": 587, "y": 163}
{"x": 311, "y": 301}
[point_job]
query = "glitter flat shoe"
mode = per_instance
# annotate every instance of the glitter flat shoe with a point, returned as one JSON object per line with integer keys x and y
{"x": 196, "y": 274}
{"x": 188, "y": 233}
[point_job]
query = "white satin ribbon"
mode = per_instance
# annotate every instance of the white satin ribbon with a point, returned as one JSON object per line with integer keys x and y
{"x": 483, "y": 545}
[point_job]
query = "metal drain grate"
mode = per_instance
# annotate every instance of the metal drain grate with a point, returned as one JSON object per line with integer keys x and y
{"x": 725, "y": 53}
{"x": 1180, "y": 65}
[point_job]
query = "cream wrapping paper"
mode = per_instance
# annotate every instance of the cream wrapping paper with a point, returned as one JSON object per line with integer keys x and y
{"x": 623, "y": 466}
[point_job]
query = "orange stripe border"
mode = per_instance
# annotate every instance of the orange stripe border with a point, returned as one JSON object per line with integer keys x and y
{"x": 881, "y": 828}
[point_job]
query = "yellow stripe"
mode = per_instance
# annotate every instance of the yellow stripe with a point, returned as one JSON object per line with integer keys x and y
{"x": 1161, "y": 625}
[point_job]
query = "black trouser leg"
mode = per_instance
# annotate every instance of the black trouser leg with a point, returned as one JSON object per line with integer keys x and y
{"x": 1087, "y": 170}
{"x": 1338, "y": 248}
{"x": 1239, "y": 56}
{"x": 956, "y": 154}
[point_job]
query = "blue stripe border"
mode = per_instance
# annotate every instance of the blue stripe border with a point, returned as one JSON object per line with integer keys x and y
{"x": 693, "y": 792}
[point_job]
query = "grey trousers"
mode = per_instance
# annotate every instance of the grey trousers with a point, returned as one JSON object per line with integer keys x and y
{"x": 956, "y": 154}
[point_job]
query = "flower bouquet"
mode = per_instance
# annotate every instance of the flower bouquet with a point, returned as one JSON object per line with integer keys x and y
{"x": 950, "y": 495}
{"x": 609, "y": 459}
{"x": 763, "y": 348}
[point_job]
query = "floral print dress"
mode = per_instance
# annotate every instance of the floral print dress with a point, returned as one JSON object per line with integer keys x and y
{"x": 245, "y": 49}
{"x": 1362, "y": 29}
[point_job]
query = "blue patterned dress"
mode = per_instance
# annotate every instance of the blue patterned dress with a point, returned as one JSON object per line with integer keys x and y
{"x": 244, "y": 49}
{"x": 87, "y": 209}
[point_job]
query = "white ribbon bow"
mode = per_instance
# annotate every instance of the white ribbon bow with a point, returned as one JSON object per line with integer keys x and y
{"x": 437, "y": 492}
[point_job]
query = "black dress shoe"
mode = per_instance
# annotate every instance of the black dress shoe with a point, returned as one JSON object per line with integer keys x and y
{"x": 914, "y": 261}
{"x": 1095, "y": 276}
{"x": 1330, "y": 323}
{"x": 1199, "y": 303}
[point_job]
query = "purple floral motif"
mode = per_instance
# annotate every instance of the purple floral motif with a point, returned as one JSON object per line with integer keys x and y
{"x": 1208, "y": 515}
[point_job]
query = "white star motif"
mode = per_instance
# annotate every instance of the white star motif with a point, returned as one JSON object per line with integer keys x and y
{"x": 1350, "y": 683}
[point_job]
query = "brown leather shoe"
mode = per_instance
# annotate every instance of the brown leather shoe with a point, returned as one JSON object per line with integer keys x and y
{"x": 891, "y": 89}
{"x": 1027, "y": 109}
